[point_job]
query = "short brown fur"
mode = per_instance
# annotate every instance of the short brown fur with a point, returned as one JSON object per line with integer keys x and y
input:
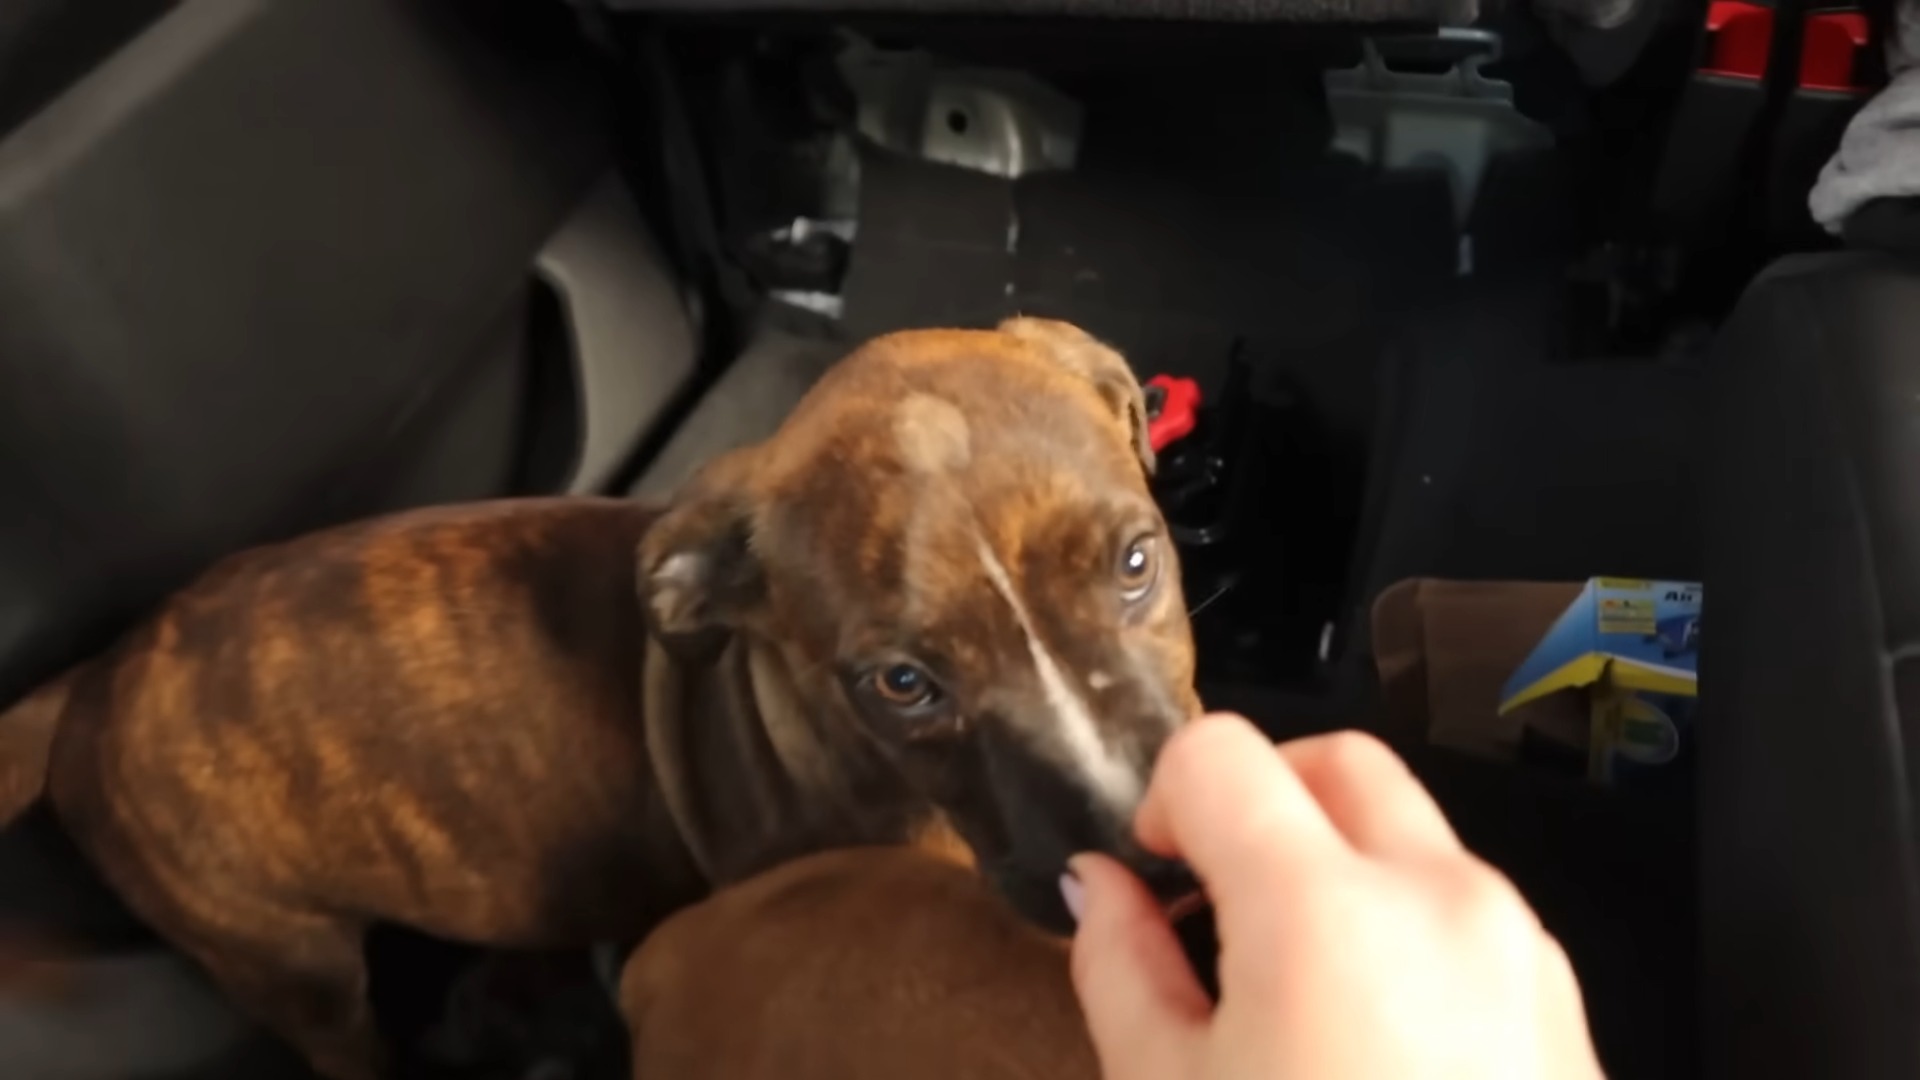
{"x": 876, "y": 963}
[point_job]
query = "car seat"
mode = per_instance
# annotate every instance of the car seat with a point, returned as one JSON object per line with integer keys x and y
{"x": 1810, "y": 732}
{"x": 265, "y": 267}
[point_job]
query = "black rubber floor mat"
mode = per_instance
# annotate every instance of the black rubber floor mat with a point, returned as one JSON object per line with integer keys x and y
{"x": 522, "y": 1017}
{"x": 1169, "y": 270}
{"x": 1203, "y": 210}
{"x": 1611, "y": 878}
{"x": 933, "y": 248}
{"x": 1501, "y": 461}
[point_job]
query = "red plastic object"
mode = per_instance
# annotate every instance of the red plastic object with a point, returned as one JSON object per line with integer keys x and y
{"x": 1742, "y": 39}
{"x": 1830, "y": 48}
{"x": 1173, "y": 407}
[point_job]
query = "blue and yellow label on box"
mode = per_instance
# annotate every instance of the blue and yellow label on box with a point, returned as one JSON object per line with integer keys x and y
{"x": 1634, "y": 648}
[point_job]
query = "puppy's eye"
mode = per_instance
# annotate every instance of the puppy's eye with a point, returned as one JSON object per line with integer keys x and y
{"x": 1139, "y": 568}
{"x": 905, "y": 686}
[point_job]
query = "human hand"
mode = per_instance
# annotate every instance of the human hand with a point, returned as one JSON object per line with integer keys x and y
{"x": 1359, "y": 939}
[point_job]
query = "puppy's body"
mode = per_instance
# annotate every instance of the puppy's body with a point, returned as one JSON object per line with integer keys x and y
{"x": 432, "y": 719}
{"x": 318, "y": 704}
{"x": 303, "y": 743}
{"x": 551, "y": 722}
{"x": 866, "y": 963}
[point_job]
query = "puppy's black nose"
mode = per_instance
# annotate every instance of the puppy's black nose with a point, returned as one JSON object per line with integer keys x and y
{"x": 1178, "y": 889}
{"x": 1169, "y": 880}
{"x": 1200, "y": 940}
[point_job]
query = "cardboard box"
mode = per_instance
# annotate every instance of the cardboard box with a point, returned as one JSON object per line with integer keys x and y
{"x": 1444, "y": 651}
{"x": 1630, "y": 650}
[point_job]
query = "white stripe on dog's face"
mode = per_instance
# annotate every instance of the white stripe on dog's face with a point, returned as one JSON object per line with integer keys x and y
{"x": 1114, "y": 782}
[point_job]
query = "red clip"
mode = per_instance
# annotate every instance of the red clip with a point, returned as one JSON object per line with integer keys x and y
{"x": 1829, "y": 49}
{"x": 1742, "y": 39}
{"x": 1173, "y": 407}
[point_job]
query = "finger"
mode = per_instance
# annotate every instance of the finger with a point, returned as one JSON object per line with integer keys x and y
{"x": 1566, "y": 1043}
{"x": 1145, "y": 1009}
{"x": 1223, "y": 799}
{"x": 1371, "y": 796}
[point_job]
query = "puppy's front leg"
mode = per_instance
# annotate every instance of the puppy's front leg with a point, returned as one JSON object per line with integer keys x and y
{"x": 304, "y": 976}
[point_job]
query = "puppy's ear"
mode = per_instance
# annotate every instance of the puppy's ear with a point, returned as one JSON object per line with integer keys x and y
{"x": 1100, "y": 365}
{"x": 699, "y": 576}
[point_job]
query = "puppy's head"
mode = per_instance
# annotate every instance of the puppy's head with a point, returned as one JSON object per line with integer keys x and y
{"x": 952, "y": 544}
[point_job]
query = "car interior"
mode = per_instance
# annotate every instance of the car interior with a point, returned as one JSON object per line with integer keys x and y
{"x": 1496, "y": 291}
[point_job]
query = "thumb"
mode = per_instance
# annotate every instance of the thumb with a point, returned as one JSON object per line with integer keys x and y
{"x": 1145, "y": 1009}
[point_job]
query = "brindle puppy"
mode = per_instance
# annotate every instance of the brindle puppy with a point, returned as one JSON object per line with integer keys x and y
{"x": 939, "y": 599}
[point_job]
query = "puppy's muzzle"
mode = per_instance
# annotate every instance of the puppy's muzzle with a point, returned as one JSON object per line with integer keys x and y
{"x": 1170, "y": 882}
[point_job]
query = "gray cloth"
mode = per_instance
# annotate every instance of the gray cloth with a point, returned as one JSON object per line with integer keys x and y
{"x": 1879, "y": 156}
{"x": 133, "y": 1017}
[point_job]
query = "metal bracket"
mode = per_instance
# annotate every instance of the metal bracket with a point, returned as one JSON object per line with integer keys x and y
{"x": 1455, "y": 119}
{"x": 1002, "y": 123}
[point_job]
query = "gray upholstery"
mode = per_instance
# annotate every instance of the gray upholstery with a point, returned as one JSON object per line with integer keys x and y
{"x": 264, "y": 267}
{"x": 241, "y": 268}
{"x": 1810, "y": 690}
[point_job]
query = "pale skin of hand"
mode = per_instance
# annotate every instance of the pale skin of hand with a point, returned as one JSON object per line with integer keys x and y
{"x": 1359, "y": 938}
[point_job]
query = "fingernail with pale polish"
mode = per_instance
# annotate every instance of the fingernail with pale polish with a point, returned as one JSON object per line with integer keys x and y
{"x": 1074, "y": 893}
